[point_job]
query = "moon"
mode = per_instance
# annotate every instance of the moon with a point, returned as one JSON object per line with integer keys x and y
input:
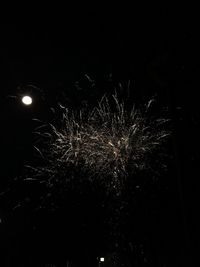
{"x": 27, "y": 100}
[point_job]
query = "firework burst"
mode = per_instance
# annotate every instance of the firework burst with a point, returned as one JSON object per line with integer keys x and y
{"x": 105, "y": 146}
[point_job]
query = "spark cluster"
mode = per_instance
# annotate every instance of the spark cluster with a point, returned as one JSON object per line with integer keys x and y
{"x": 106, "y": 145}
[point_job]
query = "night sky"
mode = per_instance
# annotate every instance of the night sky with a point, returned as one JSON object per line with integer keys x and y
{"x": 156, "y": 51}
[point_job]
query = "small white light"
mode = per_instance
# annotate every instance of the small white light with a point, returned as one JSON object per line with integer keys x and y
{"x": 27, "y": 100}
{"x": 102, "y": 259}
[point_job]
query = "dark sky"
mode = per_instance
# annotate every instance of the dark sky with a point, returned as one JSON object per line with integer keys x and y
{"x": 157, "y": 50}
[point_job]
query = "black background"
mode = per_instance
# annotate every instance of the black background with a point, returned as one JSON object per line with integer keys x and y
{"x": 157, "y": 50}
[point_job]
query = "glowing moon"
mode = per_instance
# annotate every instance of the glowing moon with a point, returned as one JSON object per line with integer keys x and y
{"x": 27, "y": 100}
